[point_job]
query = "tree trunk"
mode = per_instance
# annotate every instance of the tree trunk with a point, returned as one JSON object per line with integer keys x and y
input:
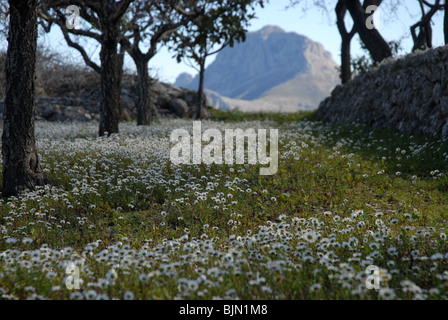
{"x": 418, "y": 39}
{"x": 144, "y": 114}
{"x": 346, "y": 70}
{"x": 201, "y": 89}
{"x": 21, "y": 167}
{"x": 428, "y": 33}
{"x": 422, "y": 40}
{"x": 378, "y": 47}
{"x": 110, "y": 81}
{"x": 445, "y": 23}
{"x": 120, "y": 78}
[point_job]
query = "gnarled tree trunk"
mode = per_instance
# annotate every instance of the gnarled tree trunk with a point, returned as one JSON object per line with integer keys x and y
{"x": 143, "y": 108}
{"x": 378, "y": 48}
{"x": 21, "y": 167}
{"x": 110, "y": 82}
{"x": 445, "y": 23}
{"x": 346, "y": 70}
{"x": 120, "y": 79}
{"x": 201, "y": 89}
{"x": 423, "y": 40}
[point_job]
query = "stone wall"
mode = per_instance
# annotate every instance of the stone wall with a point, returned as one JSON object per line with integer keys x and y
{"x": 409, "y": 94}
{"x": 166, "y": 101}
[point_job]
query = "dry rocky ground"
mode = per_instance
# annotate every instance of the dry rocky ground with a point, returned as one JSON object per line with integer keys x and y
{"x": 166, "y": 100}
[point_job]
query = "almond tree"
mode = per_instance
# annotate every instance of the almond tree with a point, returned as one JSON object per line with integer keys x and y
{"x": 378, "y": 48}
{"x": 423, "y": 39}
{"x": 145, "y": 23}
{"x": 372, "y": 40}
{"x": 102, "y": 21}
{"x": 222, "y": 23}
{"x": 445, "y": 22}
{"x": 346, "y": 37}
{"x": 21, "y": 166}
{"x": 148, "y": 24}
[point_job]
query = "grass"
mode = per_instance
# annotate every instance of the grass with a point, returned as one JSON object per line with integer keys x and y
{"x": 279, "y": 118}
{"x": 138, "y": 227}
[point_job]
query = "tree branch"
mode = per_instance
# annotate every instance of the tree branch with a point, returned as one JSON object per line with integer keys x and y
{"x": 80, "y": 49}
{"x": 120, "y": 11}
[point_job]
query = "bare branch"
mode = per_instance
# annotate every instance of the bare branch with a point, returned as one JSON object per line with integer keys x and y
{"x": 80, "y": 49}
{"x": 120, "y": 11}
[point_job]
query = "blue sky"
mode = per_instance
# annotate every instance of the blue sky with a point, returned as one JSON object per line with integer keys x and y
{"x": 312, "y": 23}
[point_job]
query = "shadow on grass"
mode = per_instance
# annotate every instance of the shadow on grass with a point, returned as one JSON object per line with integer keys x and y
{"x": 280, "y": 118}
{"x": 422, "y": 156}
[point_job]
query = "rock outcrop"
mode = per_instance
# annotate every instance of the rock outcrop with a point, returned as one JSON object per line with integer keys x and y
{"x": 409, "y": 94}
{"x": 84, "y": 105}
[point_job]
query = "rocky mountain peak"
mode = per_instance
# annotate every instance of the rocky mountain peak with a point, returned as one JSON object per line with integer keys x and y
{"x": 184, "y": 79}
{"x": 286, "y": 66}
{"x": 267, "y": 31}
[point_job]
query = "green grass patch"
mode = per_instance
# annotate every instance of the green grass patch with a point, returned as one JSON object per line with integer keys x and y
{"x": 139, "y": 227}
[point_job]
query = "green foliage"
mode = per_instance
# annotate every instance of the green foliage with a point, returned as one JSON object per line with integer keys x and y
{"x": 280, "y": 118}
{"x": 220, "y": 25}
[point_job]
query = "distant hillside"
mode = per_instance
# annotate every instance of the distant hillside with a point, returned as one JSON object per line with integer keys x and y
{"x": 272, "y": 70}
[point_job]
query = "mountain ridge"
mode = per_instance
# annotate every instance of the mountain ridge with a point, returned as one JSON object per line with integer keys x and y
{"x": 274, "y": 68}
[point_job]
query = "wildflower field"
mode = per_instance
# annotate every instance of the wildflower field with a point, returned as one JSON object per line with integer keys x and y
{"x": 138, "y": 227}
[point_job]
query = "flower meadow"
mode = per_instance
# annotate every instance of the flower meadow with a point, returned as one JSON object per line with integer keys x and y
{"x": 138, "y": 227}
